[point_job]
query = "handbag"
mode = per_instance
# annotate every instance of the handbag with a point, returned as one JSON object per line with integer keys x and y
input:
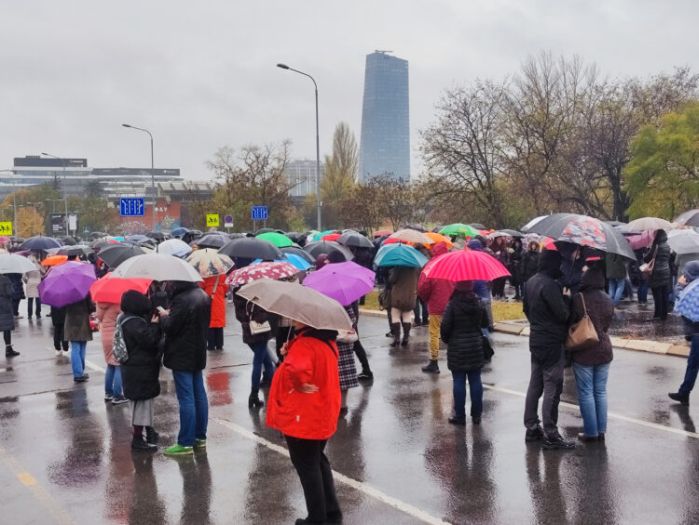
{"x": 347, "y": 336}
{"x": 582, "y": 334}
{"x": 646, "y": 269}
{"x": 259, "y": 328}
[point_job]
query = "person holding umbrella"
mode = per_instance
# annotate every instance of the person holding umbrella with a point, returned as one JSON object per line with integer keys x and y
{"x": 77, "y": 331}
{"x": 658, "y": 267}
{"x": 688, "y": 307}
{"x": 7, "y": 321}
{"x": 107, "y": 314}
{"x": 32, "y": 280}
{"x": 403, "y": 284}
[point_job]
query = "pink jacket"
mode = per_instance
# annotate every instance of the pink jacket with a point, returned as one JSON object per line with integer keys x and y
{"x": 107, "y": 314}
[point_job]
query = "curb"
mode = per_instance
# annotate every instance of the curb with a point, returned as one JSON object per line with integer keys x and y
{"x": 637, "y": 345}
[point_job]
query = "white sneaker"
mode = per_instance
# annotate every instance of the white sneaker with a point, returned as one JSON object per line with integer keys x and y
{"x": 59, "y": 353}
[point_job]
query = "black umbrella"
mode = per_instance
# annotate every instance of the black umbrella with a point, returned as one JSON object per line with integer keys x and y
{"x": 251, "y": 248}
{"x": 295, "y": 250}
{"x": 158, "y": 236}
{"x": 355, "y": 240}
{"x": 328, "y": 247}
{"x": 513, "y": 233}
{"x": 113, "y": 256}
{"x": 298, "y": 238}
{"x": 39, "y": 243}
{"x": 76, "y": 250}
{"x": 211, "y": 240}
{"x": 67, "y": 241}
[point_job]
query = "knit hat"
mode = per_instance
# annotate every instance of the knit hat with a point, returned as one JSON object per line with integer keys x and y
{"x": 691, "y": 271}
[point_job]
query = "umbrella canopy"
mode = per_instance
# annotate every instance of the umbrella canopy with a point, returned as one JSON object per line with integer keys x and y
{"x": 382, "y": 233}
{"x": 459, "y": 230}
{"x": 399, "y": 255}
{"x": 465, "y": 265}
{"x": 179, "y": 232}
{"x": 688, "y": 218}
{"x": 263, "y": 270}
{"x": 210, "y": 263}
{"x": 436, "y": 238}
{"x": 109, "y": 289}
{"x": 332, "y": 237}
{"x": 278, "y": 239}
{"x": 300, "y": 252}
{"x": 513, "y": 233}
{"x": 299, "y": 303}
{"x": 318, "y": 236}
{"x": 11, "y": 263}
{"x": 328, "y": 247}
{"x": 584, "y": 231}
{"x": 39, "y": 243}
{"x": 688, "y": 302}
{"x": 251, "y": 248}
{"x": 137, "y": 238}
{"x": 98, "y": 244}
{"x": 297, "y": 261}
{"x": 67, "y": 284}
{"x": 644, "y": 240}
{"x": 113, "y": 256}
{"x": 158, "y": 236}
{"x": 54, "y": 260}
{"x": 536, "y": 220}
{"x": 354, "y": 240}
{"x": 413, "y": 236}
{"x": 345, "y": 282}
{"x": 683, "y": 241}
{"x": 176, "y": 247}
{"x": 74, "y": 250}
{"x": 647, "y": 223}
{"x": 211, "y": 240}
{"x": 158, "y": 267}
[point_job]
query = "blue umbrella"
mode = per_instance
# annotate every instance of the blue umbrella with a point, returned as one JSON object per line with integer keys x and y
{"x": 688, "y": 303}
{"x": 399, "y": 255}
{"x": 297, "y": 261}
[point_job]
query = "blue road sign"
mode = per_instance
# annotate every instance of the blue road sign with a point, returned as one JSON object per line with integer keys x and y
{"x": 259, "y": 213}
{"x": 132, "y": 206}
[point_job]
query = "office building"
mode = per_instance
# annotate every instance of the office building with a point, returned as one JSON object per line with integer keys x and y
{"x": 301, "y": 177}
{"x": 385, "y": 140}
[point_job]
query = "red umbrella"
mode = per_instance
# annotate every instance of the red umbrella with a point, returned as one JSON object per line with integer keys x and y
{"x": 109, "y": 289}
{"x": 332, "y": 237}
{"x": 465, "y": 265}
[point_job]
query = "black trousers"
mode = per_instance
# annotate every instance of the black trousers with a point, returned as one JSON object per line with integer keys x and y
{"x": 15, "y": 306}
{"x": 360, "y": 352}
{"x": 215, "y": 339}
{"x": 660, "y": 298}
{"x": 313, "y": 468}
{"x": 30, "y": 306}
{"x": 58, "y": 341}
{"x": 7, "y": 336}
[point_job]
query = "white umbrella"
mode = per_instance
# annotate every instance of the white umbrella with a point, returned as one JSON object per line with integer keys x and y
{"x": 414, "y": 236}
{"x": 176, "y": 247}
{"x": 159, "y": 267}
{"x": 647, "y": 223}
{"x": 11, "y": 263}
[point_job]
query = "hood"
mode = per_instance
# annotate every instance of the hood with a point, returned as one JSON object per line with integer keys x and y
{"x": 593, "y": 279}
{"x": 135, "y": 303}
{"x": 464, "y": 286}
{"x": 177, "y": 287}
{"x": 465, "y": 302}
{"x": 475, "y": 245}
{"x": 660, "y": 237}
{"x": 691, "y": 271}
{"x": 550, "y": 263}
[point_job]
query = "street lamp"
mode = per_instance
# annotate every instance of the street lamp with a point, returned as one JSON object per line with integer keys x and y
{"x": 65, "y": 195}
{"x": 152, "y": 166}
{"x": 318, "y": 208}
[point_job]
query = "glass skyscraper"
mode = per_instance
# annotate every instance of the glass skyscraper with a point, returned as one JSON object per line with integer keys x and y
{"x": 385, "y": 142}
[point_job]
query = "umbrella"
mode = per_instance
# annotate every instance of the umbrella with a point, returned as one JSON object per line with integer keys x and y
{"x": 382, "y": 233}
{"x": 332, "y": 237}
{"x": 299, "y": 252}
{"x": 345, "y": 282}
{"x": 318, "y": 236}
{"x": 399, "y": 255}
{"x": 683, "y": 241}
{"x": 210, "y": 263}
{"x": 533, "y": 223}
{"x": 297, "y": 261}
{"x": 298, "y": 238}
{"x": 113, "y": 256}
{"x": 278, "y": 239}
{"x": 98, "y": 244}
{"x": 644, "y": 240}
{"x": 647, "y": 223}
{"x": 497, "y": 234}
{"x": 67, "y": 241}
{"x": 688, "y": 302}
{"x": 179, "y": 232}
{"x": 477, "y": 226}
{"x": 465, "y": 265}
{"x": 251, "y": 248}
{"x": 39, "y": 243}
{"x": 158, "y": 236}
{"x": 175, "y": 247}
{"x": 584, "y": 231}
{"x": 354, "y": 240}
{"x": 67, "y": 284}
{"x": 54, "y": 260}
{"x": 299, "y": 303}
{"x": 327, "y": 247}
{"x": 688, "y": 218}
{"x": 436, "y": 238}
{"x": 459, "y": 230}
{"x": 11, "y": 263}
{"x": 159, "y": 267}
{"x": 211, "y": 240}
{"x": 513, "y": 233}
{"x": 76, "y": 250}
{"x": 109, "y": 289}
{"x": 263, "y": 270}
{"x": 266, "y": 230}
{"x": 411, "y": 236}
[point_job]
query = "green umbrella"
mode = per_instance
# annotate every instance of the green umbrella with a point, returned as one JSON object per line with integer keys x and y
{"x": 319, "y": 236}
{"x": 459, "y": 230}
{"x": 279, "y": 240}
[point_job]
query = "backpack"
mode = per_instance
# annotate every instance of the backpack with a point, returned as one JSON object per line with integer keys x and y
{"x": 119, "y": 349}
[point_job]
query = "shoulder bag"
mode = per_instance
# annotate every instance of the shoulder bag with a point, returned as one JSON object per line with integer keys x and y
{"x": 582, "y": 334}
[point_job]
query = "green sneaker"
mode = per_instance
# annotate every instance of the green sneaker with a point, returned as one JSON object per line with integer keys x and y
{"x": 178, "y": 450}
{"x": 199, "y": 444}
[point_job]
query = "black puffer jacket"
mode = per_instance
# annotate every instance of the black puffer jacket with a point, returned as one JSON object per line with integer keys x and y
{"x": 661, "y": 269}
{"x": 530, "y": 262}
{"x": 547, "y": 310}
{"x": 461, "y": 327}
{"x": 186, "y": 328}
{"x": 245, "y": 312}
{"x": 141, "y": 371}
{"x": 600, "y": 308}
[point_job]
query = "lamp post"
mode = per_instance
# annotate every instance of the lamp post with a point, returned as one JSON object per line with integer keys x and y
{"x": 14, "y": 197}
{"x": 152, "y": 166}
{"x": 65, "y": 194}
{"x": 318, "y": 207}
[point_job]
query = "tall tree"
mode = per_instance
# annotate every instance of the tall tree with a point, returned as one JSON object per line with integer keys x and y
{"x": 339, "y": 177}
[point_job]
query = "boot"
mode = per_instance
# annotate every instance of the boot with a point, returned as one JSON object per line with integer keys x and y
{"x": 395, "y": 332}
{"x": 254, "y": 400}
{"x": 10, "y": 352}
{"x": 152, "y": 436}
{"x": 406, "y": 334}
{"x": 432, "y": 367}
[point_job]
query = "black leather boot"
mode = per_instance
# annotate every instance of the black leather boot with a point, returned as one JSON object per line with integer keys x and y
{"x": 406, "y": 334}
{"x": 395, "y": 332}
{"x": 254, "y": 400}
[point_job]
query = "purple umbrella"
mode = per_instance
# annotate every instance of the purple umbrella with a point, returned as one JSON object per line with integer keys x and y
{"x": 67, "y": 284}
{"x": 345, "y": 282}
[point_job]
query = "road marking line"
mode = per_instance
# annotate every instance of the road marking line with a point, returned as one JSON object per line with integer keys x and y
{"x": 357, "y": 485}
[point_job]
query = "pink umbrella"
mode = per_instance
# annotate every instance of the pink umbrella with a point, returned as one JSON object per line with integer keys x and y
{"x": 641, "y": 241}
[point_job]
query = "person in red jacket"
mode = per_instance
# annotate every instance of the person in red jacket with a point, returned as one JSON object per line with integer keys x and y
{"x": 304, "y": 405}
{"x": 216, "y": 288}
{"x": 436, "y": 294}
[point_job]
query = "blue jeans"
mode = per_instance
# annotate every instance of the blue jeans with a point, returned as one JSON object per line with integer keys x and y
{"x": 260, "y": 357}
{"x": 77, "y": 357}
{"x": 112, "y": 381}
{"x": 690, "y": 375}
{"x": 643, "y": 292}
{"x": 616, "y": 290}
{"x": 591, "y": 382}
{"x": 194, "y": 406}
{"x": 476, "y": 389}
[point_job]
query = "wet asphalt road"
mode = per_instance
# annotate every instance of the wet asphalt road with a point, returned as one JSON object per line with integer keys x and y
{"x": 65, "y": 456}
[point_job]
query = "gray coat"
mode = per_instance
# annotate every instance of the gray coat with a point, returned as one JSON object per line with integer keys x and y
{"x": 7, "y": 318}
{"x": 77, "y": 323}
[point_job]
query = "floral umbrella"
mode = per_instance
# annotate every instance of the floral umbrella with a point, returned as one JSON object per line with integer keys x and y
{"x": 263, "y": 270}
{"x": 209, "y": 263}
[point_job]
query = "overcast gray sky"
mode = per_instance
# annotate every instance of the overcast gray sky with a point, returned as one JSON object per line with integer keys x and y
{"x": 201, "y": 75}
